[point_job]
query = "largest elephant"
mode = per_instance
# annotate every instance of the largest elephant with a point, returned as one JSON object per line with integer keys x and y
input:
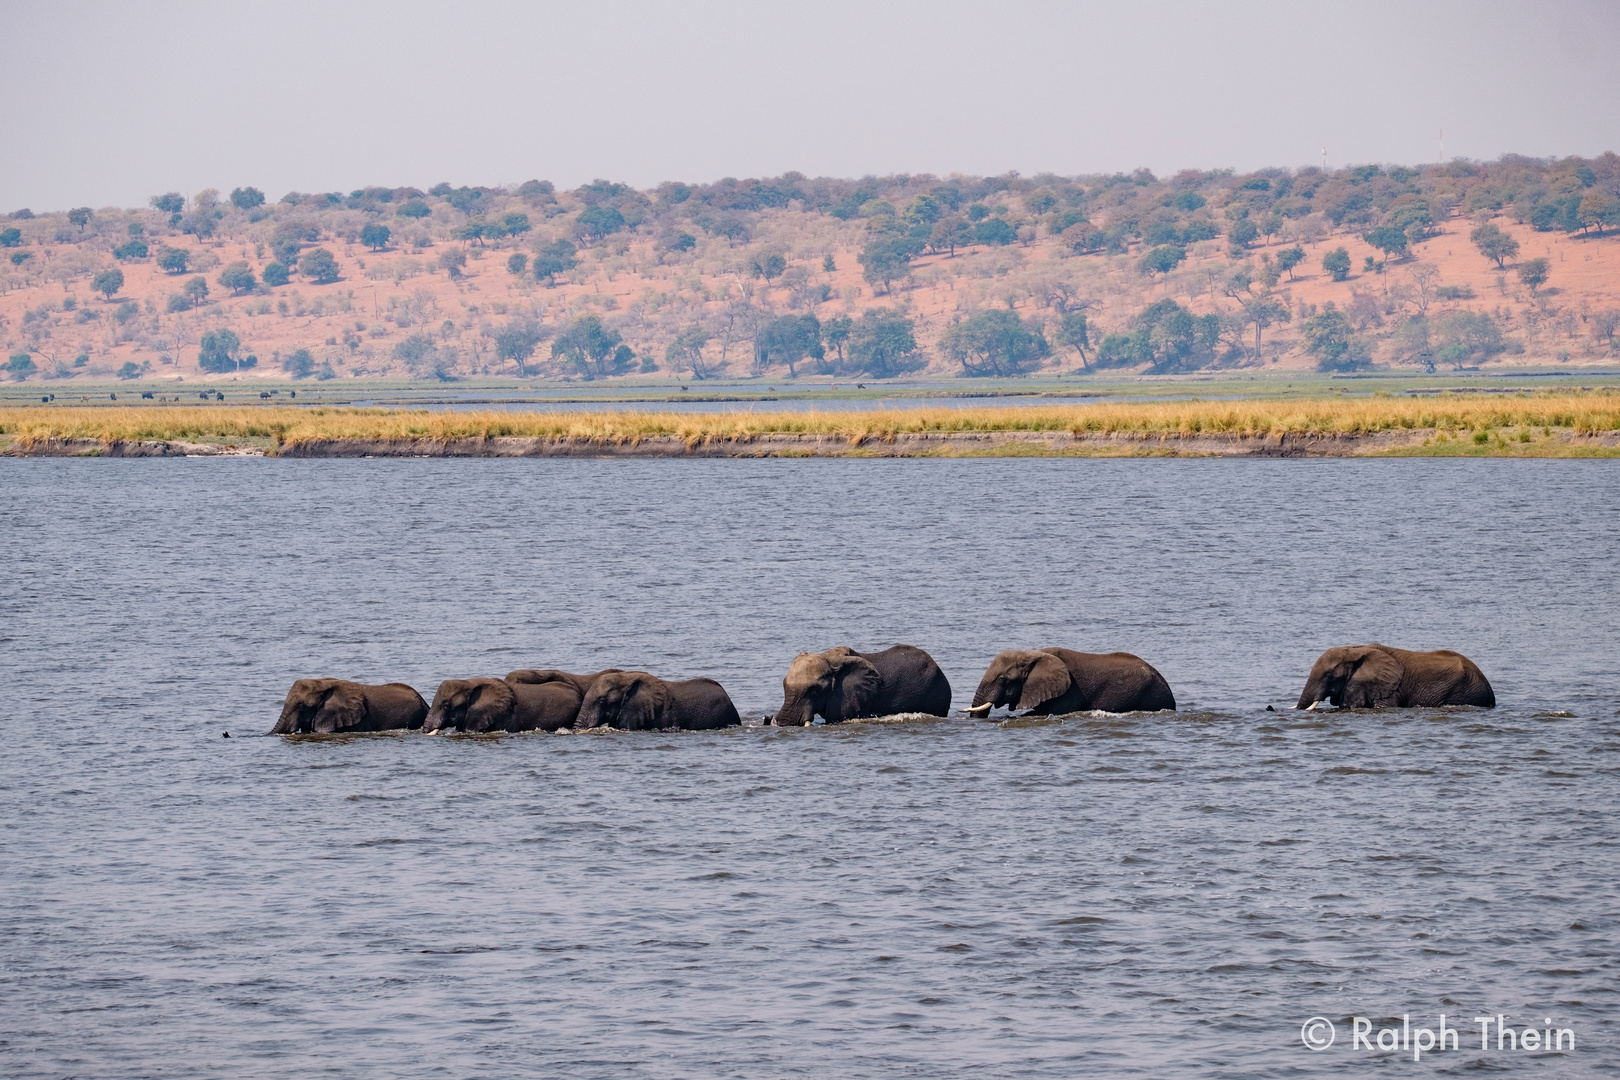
{"x": 326, "y": 706}
{"x": 842, "y": 684}
{"x": 1054, "y": 681}
{"x": 1378, "y": 676}
{"x": 637, "y": 701}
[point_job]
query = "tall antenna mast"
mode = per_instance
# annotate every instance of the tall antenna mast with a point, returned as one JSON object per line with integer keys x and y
{"x": 1442, "y": 146}
{"x": 1324, "y": 159}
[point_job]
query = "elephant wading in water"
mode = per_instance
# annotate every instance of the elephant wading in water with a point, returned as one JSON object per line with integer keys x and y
{"x": 581, "y": 683}
{"x": 1054, "y": 681}
{"x": 842, "y": 684}
{"x": 1377, "y": 676}
{"x": 479, "y": 705}
{"x": 637, "y": 701}
{"x": 327, "y": 706}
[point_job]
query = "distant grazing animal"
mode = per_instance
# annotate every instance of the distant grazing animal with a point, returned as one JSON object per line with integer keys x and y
{"x": 637, "y": 701}
{"x": 480, "y": 705}
{"x": 842, "y": 684}
{"x": 1055, "y": 681}
{"x": 1377, "y": 677}
{"x": 326, "y": 706}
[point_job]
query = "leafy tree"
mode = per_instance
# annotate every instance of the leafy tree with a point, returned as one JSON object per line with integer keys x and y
{"x": 195, "y": 289}
{"x": 1533, "y": 273}
{"x": 1258, "y": 307}
{"x": 1337, "y": 263}
{"x": 978, "y": 212}
{"x": 648, "y": 364}
{"x": 413, "y": 208}
{"x": 1242, "y": 232}
{"x": 171, "y": 202}
{"x": 596, "y": 222}
{"x": 424, "y": 358}
{"x": 585, "y": 343}
{"x": 1389, "y": 239}
{"x": 1166, "y": 337}
{"x": 555, "y": 258}
{"x": 835, "y": 332}
{"x": 788, "y": 340}
{"x": 1290, "y": 258}
{"x": 135, "y": 249}
{"x": 517, "y": 343}
{"x": 685, "y": 349}
{"x": 681, "y": 242}
{"x": 247, "y": 198}
{"x": 173, "y": 260}
{"x": 217, "y": 351}
{"x": 770, "y": 267}
{"x": 1595, "y": 208}
{"x": 452, "y": 262}
{"x": 995, "y": 342}
{"x": 319, "y": 266}
{"x": 21, "y": 365}
{"x": 1073, "y": 332}
{"x": 108, "y": 281}
{"x": 1494, "y": 244}
{"x": 129, "y": 370}
{"x": 1462, "y": 336}
{"x": 374, "y": 236}
{"x": 10, "y": 237}
{"x": 1331, "y": 339}
{"x": 476, "y": 229}
{"x": 20, "y": 257}
{"x": 882, "y": 343}
{"x": 299, "y": 364}
{"x": 515, "y": 224}
{"x": 80, "y": 216}
{"x": 948, "y": 234}
{"x": 828, "y": 264}
{"x": 237, "y": 278}
{"x": 275, "y": 273}
{"x": 516, "y": 263}
{"x": 995, "y": 231}
{"x": 1163, "y": 259}
{"x": 884, "y": 263}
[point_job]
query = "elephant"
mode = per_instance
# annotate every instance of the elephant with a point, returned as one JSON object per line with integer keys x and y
{"x": 480, "y": 705}
{"x": 842, "y": 684}
{"x": 1056, "y": 681}
{"x": 581, "y": 683}
{"x": 325, "y": 706}
{"x": 637, "y": 701}
{"x": 1377, "y": 676}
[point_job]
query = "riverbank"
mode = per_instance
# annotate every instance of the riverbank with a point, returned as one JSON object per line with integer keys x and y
{"x": 1540, "y": 425}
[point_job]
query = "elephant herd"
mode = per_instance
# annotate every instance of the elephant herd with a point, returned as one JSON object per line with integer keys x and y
{"x": 842, "y": 684}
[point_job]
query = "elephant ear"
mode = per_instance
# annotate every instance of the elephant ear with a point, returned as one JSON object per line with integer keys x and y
{"x": 1376, "y": 681}
{"x": 646, "y": 704}
{"x": 856, "y": 686}
{"x": 1048, "y": 678}
{"x": 344, "y": 708}
{"x": 492, "y": 707}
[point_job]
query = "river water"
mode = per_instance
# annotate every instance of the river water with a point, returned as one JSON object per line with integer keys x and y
{"x": 1112, "y": 896}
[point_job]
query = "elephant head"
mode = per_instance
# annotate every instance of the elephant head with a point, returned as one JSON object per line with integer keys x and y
{"x": 839, "y": 684}
{"x": 1021, "y": 679}
{"x": 630, "y": 700}
{"x": 469, "y": 705}
{"x": 1360, "y": 676}
{"x": 322, "y": 706}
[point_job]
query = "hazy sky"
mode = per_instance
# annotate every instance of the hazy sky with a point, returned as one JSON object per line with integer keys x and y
{"x": 109, "y": 103}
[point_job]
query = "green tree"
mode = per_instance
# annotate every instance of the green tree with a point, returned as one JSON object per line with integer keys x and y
{"x": 950, "y": 233}
{"x": 80, "y": 216}
{"x": 515, "y": 224}
{"x": 685, "y": 349}
{"x": 681, "y": 242}
{"x": 770, "y": 267}
{"x": 1163, "y": 259}
{"x": 275, "y": 273}
{"x": 247, "y": 198}
{"x": 1242, "y": 232}
{"x": 1337, "y": 263}
{"x": 995, "y": 231}
{"x": 1389, "y": 239}
{"x": 299, "y": 364}
{"x": 828, "y": 264}
{"x": 10, "y": 237}
{"x": 517, "y": 343}
{"x": 374, "y": 236}
{"x": 554, "y": 258}
{"x": 835, "y": 333}
{"x": 1494, "y": 244}
{"x": 516, "y": 263}
{"x": 587, "y": 344}
{"x": 883, "y": 343}
{"x": 1595, "y": 208}
{"x": 788, "y": 340}
{"x": 135, "y": 249}
{"x": 595, "y": 222}
{"x": 1290, "y": 258}
{"x": 216, "y": 353}
{"x": 413, "y": 208}
{"x": 129, "y": 370}
{"x": 171, "y": 202}
{"x": 21, "y": 365}
{"x": 1329, "y": 337}
{"x": 319, "y": 266}
{"x": 1073, "y": 332}
{"x": 195, "y": 290}
{"x": 108, "y": 281}
{"x": 883, "y": 263}
{"x": 173, "y": 260}
{"x": 1166, "y": 337}
{"x": 995, "y": 342}
{"x": 1533, "y": 273}
{"x": 452, "y": 261}
{"x": 237, "y": 278}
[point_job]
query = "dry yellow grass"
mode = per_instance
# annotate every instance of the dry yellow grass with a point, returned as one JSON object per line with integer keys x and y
{"x": 1581, "y": 413}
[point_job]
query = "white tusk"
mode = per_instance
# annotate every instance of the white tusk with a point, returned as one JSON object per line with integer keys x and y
{"x": 1312, "y": 705}
{"x": 974, "y": 710}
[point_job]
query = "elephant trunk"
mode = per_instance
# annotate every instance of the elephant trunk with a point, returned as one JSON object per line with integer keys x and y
{"x": 434, "y": 721}
{"x": 797, "y": 711}
{"x": 590, "y": 714}
{"x": 1315, "y": 690}
{"x": 288, "y": 723}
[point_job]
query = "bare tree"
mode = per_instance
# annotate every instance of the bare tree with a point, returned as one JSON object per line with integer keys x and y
{"x": 1424, "y": 279}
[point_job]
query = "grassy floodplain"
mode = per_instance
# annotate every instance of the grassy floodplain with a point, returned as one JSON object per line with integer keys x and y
{"x": 1516, "y": 425}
